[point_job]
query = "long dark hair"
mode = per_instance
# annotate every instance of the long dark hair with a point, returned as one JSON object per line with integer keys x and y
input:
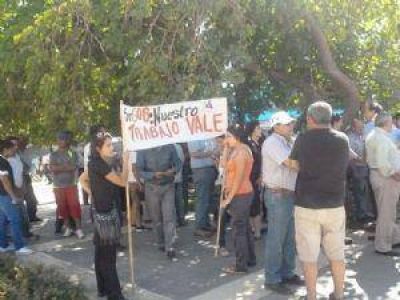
{"x": 98, "y": 141}
{"x": 251, "y": 127}
{"x": 238, "y": 132}
{"x": 6, "y": 144}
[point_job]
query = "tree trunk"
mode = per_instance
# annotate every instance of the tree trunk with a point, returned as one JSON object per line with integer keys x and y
{"x": 350, "y": 90}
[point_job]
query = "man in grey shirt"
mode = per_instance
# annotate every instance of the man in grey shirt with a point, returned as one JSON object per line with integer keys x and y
{"x": 64, "y": 166}
{"x": 157, "y": 167}
{"x": 203, "y": 155}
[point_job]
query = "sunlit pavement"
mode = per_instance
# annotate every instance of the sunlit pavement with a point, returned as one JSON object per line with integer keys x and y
{"x": 197, "y": 273}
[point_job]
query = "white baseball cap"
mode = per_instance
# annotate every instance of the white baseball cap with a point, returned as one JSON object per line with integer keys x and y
{"x": 281, "y": 117}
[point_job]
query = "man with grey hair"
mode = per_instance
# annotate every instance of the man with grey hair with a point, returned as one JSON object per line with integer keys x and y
{"x": 383, "y": 159}
{"x": 321, "y": 154}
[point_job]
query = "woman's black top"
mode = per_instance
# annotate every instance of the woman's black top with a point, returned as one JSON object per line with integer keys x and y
{"x": 256, "y": 170}
{"x": 104, "y": 193}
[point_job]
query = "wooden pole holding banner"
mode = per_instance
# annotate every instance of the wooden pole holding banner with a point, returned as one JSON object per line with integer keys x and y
{"x": 129, "y": 216}
{"x": 221, "y": 211}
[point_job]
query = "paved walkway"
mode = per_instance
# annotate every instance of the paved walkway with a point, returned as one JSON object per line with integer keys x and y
{"x": 197, "y": 273}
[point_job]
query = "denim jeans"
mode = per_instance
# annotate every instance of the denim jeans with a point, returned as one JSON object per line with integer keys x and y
{"x": 25, "y": 225}
{"x": 280, "y": 242}
{"x": 361, "y": 207}
{"x": 204, "y": 180}
{"x": 9, "y": 212}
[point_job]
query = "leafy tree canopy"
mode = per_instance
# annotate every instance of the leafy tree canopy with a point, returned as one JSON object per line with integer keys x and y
{"x": 67, "y": 63}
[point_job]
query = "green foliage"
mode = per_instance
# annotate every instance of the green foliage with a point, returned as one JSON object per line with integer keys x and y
{"x": 69, "y": 63}
{"x": 34, "y": 283}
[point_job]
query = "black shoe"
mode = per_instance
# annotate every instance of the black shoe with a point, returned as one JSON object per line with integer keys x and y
{"x": 388, "y": 253}
{"x": 294, "y": 280}
{"x": 35, "y": 219}
{"x": 59, "y": 225}
{"x": 252, "y": 264}
{"x": 279, "y": 288}
{"x": 116, "y": 297}
{"x": 395, "y": 246}
{"x": 171, "y": 254}
{"x": 333, "y": 297}
{"x": 348, "y": 241}
{"x": 355, "y": 224}
{"x": 28, "y": 235}
{"x": 121, "y": 248}
{"x": 202, "y": 233}
{"x": 182, "y": 223}
{"x": 101, "y": 294}
{"x": 211, "y": 229}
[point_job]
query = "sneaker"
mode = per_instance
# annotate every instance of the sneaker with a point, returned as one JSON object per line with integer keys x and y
{"x": 6, "y": 249}
{"x": 68, "y": 232}
{"x": 24, "y": 251}
{"x": 79, "y": 233}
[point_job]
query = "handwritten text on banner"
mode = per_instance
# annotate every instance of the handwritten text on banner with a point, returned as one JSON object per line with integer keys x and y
{"x": 151, "y": 126}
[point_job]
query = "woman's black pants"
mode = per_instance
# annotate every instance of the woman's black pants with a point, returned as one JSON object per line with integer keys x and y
{"x": 105, "y": 259}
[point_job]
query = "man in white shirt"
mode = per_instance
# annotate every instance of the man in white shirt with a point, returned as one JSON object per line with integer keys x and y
{"x": 18, "y": 168}
{"x": 279, "y": 182}
{"x": 383, "y": 159}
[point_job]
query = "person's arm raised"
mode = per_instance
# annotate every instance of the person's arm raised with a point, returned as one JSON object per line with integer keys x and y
{"x": 120, "y": 179}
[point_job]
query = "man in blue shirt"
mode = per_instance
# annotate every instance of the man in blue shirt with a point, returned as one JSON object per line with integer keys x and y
{"x": 395, "y": 134}
{"x": 370, "y": 111}
{"x": 157, "y": 168}
{"x": 203, "y": 155}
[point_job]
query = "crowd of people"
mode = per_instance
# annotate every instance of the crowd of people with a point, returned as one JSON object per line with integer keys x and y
{"x": 302, "y": 188}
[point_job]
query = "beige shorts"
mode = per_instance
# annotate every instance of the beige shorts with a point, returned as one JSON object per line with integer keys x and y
{"x": 316, "y": 227}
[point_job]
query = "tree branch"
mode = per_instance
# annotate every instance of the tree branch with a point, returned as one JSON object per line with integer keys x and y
{"x": 350, "y": 89}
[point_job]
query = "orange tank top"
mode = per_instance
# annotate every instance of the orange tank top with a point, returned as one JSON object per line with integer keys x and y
{"x": 245, "y": 187}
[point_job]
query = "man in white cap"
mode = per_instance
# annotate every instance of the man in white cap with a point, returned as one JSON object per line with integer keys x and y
{"x": 279, "y": 182}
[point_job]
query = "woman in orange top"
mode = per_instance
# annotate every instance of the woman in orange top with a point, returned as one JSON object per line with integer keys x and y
{"x": 238, "y": 198}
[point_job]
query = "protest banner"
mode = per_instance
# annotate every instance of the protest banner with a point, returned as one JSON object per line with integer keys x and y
{"x": 146, "y": 127}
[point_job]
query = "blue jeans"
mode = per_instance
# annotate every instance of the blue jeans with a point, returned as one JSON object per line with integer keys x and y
{"x": 360, "y": 207}
{"x": 204, "y": 180}
{"x": 280, "y": 242}
{"x": 9, "y": 211}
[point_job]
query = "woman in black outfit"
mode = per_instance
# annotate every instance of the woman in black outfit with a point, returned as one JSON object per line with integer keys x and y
{"x": 254, "y": 134}
{"x": 103, "y": 184}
